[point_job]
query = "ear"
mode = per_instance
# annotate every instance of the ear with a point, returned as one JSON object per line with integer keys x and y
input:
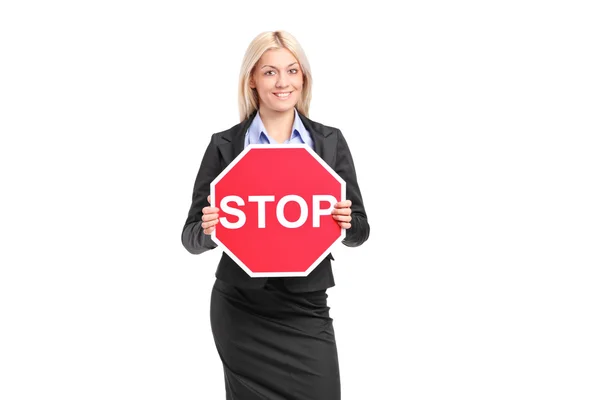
{"x": 252, "y": 83}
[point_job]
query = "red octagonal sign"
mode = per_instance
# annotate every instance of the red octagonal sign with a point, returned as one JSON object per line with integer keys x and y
{"x": 275, "y": 206}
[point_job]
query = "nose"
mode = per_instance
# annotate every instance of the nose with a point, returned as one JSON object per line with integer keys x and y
{"x": 282, "y": 81}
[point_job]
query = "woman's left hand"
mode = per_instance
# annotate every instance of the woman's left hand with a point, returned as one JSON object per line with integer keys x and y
{"x": 342, "y": 213}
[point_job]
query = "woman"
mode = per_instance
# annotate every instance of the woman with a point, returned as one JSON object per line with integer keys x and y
{"x": 274, "y": 335}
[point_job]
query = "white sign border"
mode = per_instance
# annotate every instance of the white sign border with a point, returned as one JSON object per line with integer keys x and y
{"x": 246, "y": 150}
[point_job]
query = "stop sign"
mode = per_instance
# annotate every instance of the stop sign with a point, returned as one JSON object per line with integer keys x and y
{"x": 275, "y": 206}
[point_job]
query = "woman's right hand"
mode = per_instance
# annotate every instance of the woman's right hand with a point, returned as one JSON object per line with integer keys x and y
{"x": 210, "y": 218}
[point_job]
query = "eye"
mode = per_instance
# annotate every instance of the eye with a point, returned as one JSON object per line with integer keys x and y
{"x": 294, "y": 71}
{"x": 268, "y": 73}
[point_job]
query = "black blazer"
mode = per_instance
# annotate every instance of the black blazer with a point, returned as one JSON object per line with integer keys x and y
{"x": 224, "y": 146}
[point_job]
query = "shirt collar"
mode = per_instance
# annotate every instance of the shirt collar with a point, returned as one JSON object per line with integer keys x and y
{"x": 257, "y": 129}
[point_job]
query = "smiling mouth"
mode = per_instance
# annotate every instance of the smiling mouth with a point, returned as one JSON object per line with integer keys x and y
{"x": 283, "y": 95}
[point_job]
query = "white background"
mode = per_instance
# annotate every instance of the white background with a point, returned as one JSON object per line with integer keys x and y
{"x": 474, "y": 128}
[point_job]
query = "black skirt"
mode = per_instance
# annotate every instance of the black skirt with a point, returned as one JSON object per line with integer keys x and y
{"x": 274, "y": 344}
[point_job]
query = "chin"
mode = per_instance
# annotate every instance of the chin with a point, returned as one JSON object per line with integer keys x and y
{"x": 282, "y": 108}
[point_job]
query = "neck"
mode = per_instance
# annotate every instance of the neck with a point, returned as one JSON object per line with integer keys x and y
{"x": 278, "y": 124}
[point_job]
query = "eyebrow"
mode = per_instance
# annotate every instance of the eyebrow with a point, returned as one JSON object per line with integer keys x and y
{"x": 276, "y": 68}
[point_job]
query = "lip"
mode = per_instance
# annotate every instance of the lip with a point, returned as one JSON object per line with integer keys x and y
{"x": 283, "y": 98}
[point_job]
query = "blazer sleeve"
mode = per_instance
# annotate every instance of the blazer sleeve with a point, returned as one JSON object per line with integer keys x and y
{"x": 344, "y": 166}
{"x": 193, "y": 237}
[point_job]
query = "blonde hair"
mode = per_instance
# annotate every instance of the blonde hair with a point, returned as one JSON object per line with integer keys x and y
{"x": 248, "y": 97}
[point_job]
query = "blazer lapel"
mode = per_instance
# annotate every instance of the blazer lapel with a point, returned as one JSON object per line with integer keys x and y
{"x": 325, "y": 142}
{"x": 233, "y": 140}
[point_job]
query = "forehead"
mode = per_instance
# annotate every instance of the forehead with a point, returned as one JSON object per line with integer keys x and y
{"x": 279, "y": 58}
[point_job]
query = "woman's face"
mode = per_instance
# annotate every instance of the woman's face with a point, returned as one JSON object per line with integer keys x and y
{"x": 278, "y": 80}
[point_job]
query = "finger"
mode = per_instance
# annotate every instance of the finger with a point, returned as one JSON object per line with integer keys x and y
{"x": 208, "y": 198}
{"x": 209, "y": 224}
{"x": 209, "y": 217}
{"x": 341, "y": 211}
{"x": 343, "y": 204}
{"x": 342, "y": 218}
{"x": 344, "y": 225}
{"x": 210, "y": 210}
{"x": 209, "y": 231}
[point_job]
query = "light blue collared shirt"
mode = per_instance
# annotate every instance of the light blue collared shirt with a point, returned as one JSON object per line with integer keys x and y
{"x": 257, "y": 134}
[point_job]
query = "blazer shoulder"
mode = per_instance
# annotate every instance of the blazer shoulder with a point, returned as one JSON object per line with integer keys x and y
{"x": 226, "y": 134}
{"x": 319, "y": 127}
{"x": 233, "y": 132}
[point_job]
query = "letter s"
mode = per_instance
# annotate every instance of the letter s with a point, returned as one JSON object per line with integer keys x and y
{"x": 232, "y": 211}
